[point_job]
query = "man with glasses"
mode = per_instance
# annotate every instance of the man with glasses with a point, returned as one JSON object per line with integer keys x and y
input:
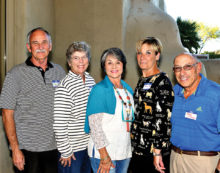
{"x": 195, "y": 135}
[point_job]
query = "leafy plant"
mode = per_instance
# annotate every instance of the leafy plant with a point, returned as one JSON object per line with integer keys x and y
{"x": 213, "y": 55}
{"x": 206, "y": 33}
{"x": 188, "y": 34}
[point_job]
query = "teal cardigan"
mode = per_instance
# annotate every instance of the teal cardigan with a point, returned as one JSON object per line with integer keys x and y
{"x": 102, "y": 99}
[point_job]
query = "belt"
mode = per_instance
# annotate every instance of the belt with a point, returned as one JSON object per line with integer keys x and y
{"x": 195, "y": 153}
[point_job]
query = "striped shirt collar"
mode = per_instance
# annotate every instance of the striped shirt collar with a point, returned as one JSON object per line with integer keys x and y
{"x": 76, "y": 75}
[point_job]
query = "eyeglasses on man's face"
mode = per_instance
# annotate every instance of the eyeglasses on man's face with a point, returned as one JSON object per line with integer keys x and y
{"x": 186, "y": 67}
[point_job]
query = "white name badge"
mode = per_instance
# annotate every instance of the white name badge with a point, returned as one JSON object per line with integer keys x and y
{"x": 147, "y": 86}
{"x": 191, "y": 115}
{"x": 55, "y": 83}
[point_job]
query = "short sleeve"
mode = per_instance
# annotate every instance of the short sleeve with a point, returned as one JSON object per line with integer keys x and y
{"x": 218, "y": 119}
{"x": 9, "y": 92}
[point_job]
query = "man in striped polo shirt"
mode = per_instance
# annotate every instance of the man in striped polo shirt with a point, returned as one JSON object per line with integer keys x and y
{"x": 27, "y": 107}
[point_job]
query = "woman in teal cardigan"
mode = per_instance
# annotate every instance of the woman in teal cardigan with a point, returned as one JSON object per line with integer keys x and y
{"x": 109, "y": 115}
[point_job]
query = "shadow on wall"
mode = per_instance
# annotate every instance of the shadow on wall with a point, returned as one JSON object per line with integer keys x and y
{"x": 5, "y": 160}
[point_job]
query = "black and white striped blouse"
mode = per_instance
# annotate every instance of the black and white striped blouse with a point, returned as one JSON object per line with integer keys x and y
{"x": 70, "y": 103}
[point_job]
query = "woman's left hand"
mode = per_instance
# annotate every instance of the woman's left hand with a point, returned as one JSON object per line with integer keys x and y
{"x": 158, "y": 163}
{"x": 67, "y": 161}
{"x": 105, "y": 165}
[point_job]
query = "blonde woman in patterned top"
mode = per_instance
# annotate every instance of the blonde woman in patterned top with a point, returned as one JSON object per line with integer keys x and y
{"x": 153, "y": 98}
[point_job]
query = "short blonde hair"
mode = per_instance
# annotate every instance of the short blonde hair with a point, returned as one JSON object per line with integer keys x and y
{"x": 152, "y": 41}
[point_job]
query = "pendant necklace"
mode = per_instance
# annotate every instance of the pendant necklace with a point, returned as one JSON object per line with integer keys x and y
{"x": 128, "y": 107}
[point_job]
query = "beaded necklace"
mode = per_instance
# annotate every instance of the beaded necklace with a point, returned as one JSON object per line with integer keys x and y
{"x": 128, "y": 107}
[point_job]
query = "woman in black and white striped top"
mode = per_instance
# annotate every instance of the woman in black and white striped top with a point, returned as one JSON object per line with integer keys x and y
{"x": 70, "y": 103}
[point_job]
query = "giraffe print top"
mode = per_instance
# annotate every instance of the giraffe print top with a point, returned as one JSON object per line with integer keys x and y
{"x": 153, "y": 98}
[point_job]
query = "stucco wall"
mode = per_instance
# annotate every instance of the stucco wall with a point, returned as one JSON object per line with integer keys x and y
{"x": 212, "y": 69}
{"x": 101, "y": 23}
{"x": 105, "y": 24}
{"x": 5, "y": 160}
{"x": 97, "y": 22}
{"x": 22, "y": 16}
{"x": 145, "y": 19}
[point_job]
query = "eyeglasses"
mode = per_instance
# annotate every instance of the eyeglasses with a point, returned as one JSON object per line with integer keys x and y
{"x": 77, "y": 58}
{"x": 185, "y": 67}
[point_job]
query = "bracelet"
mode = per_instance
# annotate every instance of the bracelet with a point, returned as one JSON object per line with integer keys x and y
{"x": 156, "y": 154}
{"x": 105, "y": 158}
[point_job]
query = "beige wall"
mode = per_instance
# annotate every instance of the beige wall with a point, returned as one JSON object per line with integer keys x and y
{"x": 2, "y": 40}
{"x": 212, "y": 69}
{"x": 101, "y": 23}
{"x": 145, "y": 19}
{"x": 22, "y": 16}
{"x": 5, "y": 160}
{"x": 105, "y": 24}
{"x": 97, "y": 22}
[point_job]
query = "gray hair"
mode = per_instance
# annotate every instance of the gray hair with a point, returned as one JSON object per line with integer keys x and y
{"x": 189, "y": 54}
{"x": 117, "y": 53}
{"x": 41, "y": 29}
{"x": 80, "y": 46}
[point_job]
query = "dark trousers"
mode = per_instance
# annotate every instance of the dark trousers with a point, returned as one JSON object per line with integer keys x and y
{"x": 40, "y": 162}
{"x": 80, "y": 165}
{"x": 144, "y": 164}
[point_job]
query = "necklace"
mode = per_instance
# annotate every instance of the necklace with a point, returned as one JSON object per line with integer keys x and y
{"x": 128, "y": 106}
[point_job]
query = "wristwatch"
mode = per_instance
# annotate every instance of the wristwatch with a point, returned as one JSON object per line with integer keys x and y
{"x": 217, "y": 171}
{"x": 156, "y": 154}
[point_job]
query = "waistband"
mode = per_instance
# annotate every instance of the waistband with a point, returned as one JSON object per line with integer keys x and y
{"x": 195, "y": 153}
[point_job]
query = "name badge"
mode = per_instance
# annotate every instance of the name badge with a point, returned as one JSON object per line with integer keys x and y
{"x": 191, "y": 115}
{"x": 55, "y": 83}
{"x": 147, "y": 86}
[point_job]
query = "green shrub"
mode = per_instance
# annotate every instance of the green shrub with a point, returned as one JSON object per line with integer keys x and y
{"x": 213, "y": 55}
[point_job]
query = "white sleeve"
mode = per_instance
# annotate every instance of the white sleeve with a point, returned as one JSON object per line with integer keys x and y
{"x": 97, "y": 133}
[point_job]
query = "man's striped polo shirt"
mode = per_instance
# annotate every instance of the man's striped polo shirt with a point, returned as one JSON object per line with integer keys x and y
{"x": 30, "y": 93}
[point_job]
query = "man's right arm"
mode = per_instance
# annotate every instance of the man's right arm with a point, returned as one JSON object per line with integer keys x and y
{"x": 9, "y": 124}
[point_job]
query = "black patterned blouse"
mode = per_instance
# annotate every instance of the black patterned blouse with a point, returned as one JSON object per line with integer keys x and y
{"x": 153, "y": 98}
